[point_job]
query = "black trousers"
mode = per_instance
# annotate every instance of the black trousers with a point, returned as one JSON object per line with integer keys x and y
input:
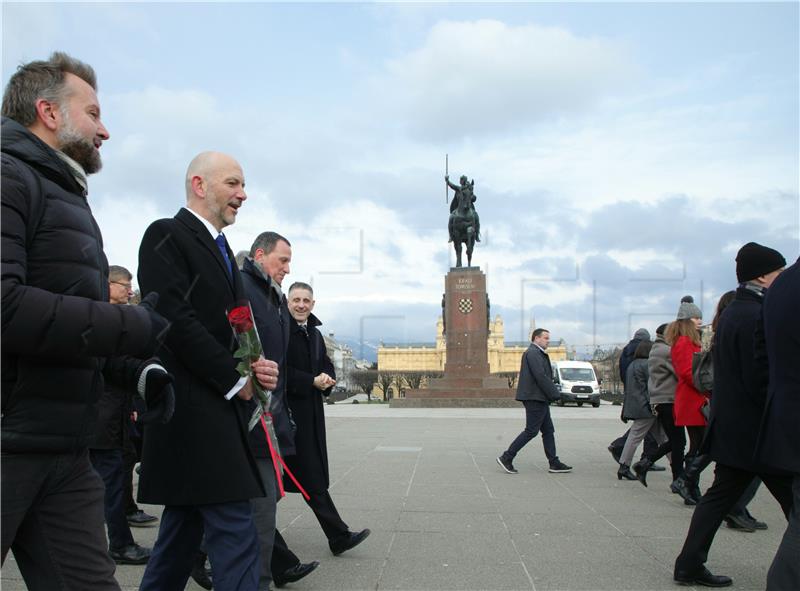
{"x": 330, "y": 521}
{"x": 52, "y": 519}
{"x": 784, "y": 574}
{"x": 676, "y": 440}
{"x": 110, "y": 466}
{"x": 740, "y": 508}
{"x": 537, "y": 418}
{"x": 729, "y": 485}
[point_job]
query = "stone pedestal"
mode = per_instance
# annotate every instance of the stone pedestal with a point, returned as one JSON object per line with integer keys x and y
{"x": 466, "y": 380}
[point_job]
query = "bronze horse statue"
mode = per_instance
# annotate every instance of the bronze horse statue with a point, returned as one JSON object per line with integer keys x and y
{"x": 464, "y": 224}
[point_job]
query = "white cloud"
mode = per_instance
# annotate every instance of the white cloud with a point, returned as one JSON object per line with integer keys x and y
{"x": 487, "y": 77}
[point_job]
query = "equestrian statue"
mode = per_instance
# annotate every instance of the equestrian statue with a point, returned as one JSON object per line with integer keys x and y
{"x": 464, "y": 225}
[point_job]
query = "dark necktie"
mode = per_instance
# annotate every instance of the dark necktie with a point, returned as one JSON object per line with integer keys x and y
{"x": 221, "y": 244}
{"x": 304, "y": 328}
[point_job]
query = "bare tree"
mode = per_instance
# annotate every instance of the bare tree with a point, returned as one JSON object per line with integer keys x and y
{"x": 364, "y": 380}
{"x": 414, "y": 379}
{"x": 385, "y": 381}
{"x": 400, "y": 381}
{"x": 606, "y": 365}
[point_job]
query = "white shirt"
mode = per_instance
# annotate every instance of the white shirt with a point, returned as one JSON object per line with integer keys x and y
{"x": 214, "y": 233}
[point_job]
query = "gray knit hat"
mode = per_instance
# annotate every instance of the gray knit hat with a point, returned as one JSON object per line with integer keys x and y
{"x": 688, "y": 309}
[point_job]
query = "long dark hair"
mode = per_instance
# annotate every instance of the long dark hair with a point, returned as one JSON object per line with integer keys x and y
{"x": 723, "y": 303}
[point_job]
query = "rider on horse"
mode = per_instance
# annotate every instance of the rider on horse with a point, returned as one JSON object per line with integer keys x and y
{"x": 465, "y": 190}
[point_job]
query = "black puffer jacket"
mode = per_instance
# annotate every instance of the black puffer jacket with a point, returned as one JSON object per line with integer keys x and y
{"x": 57, "y": 324}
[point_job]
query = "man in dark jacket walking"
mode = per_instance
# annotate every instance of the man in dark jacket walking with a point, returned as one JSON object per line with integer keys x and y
{"x": 263, "y": 272}
{"x": 310, "y": 377}
{"x": 737, "y": 405}
{"x": 779, "y": 439}
{"x": 200, "y": 465}
{"x": 58, "y": 328}
{"x": 114, "y": 408}
{"x": 536, "y": 391}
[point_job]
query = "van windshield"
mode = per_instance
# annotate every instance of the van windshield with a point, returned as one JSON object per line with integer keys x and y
{"x": 577, "y": 374}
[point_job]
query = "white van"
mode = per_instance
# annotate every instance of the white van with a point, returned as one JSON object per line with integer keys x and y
{"x": 577, "y": 382}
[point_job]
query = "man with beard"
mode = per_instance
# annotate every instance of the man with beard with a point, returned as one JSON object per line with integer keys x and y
{"x": 58, "y": 329}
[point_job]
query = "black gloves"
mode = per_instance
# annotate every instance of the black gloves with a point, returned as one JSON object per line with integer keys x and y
{"x": 155, "y": 386}
{"x": 158, "y": 324}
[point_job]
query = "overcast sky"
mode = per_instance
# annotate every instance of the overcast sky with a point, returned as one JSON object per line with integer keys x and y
{"x": 621, "y": 153}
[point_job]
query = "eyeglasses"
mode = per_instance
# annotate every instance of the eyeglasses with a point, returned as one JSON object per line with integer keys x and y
{"x": 125, "y": 285}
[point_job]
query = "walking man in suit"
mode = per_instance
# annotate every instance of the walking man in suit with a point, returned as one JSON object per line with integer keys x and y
{"x": 263, "y": 272}
{"x": 536, "y": 391}
{"x": 310, "y": 377}
{"x": 200, "y": 465}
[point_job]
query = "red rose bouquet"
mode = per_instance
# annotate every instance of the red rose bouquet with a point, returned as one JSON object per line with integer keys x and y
{"x": 240, "y": 317}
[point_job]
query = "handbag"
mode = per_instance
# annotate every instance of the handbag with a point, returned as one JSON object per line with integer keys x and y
{"x": 703, "y": 371}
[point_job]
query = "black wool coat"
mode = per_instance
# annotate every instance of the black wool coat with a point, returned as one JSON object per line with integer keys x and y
{"x": 739, "y": 392}
{"x": 58, "y": 328}
{"x": 202, "y": 455}
{"x": 779, "y": 441}
{"x": 306, "y": 359}
{"x": 113, "y": 411}
{"x": 272, "y": 321}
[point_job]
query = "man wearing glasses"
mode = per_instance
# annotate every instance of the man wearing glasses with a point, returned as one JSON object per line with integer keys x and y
{"x": 106, "y": 452}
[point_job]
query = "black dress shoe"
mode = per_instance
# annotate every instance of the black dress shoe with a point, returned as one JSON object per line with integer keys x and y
{"x": 704, "y": 578}
{"x": 738, "y": 522}
{"x": 295, "y": 573}
{"x": 200, "y": 574}
{"x": 753, "y": 522}
{"x": 347, "y": 541}
{"x": 141, "y": 519}
{"x": 130, "y": 554}
{"x": 657, "y": 468}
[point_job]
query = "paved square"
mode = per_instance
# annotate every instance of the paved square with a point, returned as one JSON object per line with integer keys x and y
{"x": 445, "y": 516}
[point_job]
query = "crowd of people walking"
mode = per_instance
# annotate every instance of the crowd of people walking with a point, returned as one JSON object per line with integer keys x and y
{"x": 92, "y": 386}
{"x": 720, "y": 383}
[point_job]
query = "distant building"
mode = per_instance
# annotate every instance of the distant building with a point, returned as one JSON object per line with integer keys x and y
{"x": 503, "y": 357}
{"x": 343, "y": 362}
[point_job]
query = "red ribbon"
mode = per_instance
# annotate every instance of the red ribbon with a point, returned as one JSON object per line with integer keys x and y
{"x": 277, "y": 458}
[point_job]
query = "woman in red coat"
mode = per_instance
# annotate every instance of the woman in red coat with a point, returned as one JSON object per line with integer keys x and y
{"x": 683, "y": 336}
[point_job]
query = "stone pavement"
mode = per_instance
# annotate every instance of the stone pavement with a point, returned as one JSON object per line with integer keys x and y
{"x": 444, "y": 516}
